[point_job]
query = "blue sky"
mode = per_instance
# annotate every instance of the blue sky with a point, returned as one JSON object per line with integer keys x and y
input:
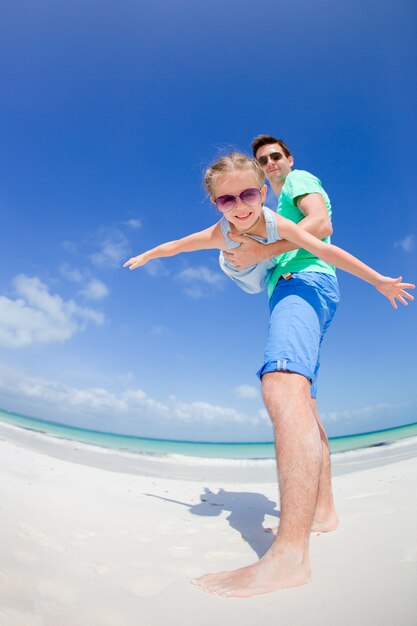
{"x": 108, "y": 115}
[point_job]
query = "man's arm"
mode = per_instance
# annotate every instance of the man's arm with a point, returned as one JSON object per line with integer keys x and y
{"x": 316, "y": 221}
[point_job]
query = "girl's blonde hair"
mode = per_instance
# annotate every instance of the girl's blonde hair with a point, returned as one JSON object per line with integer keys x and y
{"x": 229, "y": 163}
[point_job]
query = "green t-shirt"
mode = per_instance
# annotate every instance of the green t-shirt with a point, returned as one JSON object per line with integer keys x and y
{"x": 298, "y": 183}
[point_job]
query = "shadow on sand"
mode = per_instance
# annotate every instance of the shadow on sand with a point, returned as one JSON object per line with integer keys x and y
{"x": 247, "y": 513}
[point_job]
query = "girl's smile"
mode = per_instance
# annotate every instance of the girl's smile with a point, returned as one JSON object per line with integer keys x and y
{"x": 246, "y": 223}
{"x": 243, "y": 217}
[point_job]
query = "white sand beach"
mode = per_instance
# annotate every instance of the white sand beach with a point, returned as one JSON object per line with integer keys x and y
{"x": 88, "y": 544}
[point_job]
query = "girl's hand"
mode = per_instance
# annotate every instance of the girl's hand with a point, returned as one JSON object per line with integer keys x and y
{"x": 136, "y": 261}
{"x": 393, "y": 288}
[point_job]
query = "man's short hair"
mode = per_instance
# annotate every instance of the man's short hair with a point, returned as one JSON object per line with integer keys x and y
{"x": 264, "y": 140}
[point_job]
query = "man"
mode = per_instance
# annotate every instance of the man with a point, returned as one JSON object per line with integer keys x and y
{"x": 303, "y": 298}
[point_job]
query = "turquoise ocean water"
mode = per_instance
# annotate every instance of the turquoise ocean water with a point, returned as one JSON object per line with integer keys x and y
{"x": 142, "y": 445}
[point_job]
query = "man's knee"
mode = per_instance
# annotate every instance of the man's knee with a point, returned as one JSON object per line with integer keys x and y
{"x": 287, "y": 380}
{"x": 281, "y": 390}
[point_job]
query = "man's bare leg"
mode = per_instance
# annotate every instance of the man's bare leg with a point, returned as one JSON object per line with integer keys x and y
{"x": 325, "y": 517}
{"x": 298, "y": 451}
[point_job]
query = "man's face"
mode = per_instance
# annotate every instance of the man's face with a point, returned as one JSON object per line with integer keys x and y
{"x": 276, "y": 169}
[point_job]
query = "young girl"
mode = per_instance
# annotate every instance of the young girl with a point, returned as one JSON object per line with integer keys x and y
{"x": 236, "y": 186}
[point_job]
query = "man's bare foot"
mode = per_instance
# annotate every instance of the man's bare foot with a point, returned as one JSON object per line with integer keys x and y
{"x": 276, "y": 570}
{"x": 325, "y": 525}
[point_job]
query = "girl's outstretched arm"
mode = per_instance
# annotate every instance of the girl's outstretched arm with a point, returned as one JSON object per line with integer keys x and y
{"x": 392, "y": 288}
{"x": 203, "y": 240}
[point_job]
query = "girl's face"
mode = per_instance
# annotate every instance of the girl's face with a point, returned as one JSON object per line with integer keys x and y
{"x": 242, "y": 216}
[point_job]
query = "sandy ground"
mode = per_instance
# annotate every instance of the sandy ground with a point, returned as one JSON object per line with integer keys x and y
{"x": 89, "y": 546}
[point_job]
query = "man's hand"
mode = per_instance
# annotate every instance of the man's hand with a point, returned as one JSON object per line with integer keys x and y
{"x": 250, "y": 252}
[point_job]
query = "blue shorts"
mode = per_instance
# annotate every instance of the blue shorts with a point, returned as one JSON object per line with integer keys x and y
{"x": 301, "y": 310}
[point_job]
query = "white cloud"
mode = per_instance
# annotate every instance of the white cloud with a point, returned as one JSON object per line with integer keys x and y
{"x": 263, "y": 414}
{"x": 133, "y": 223}
{"x": 407, "y": 244}
{"x": 127, "y": 379}
{"x": 200, "y": 274}
{"x": 201, "y": 281}
{"x": 94, "y": 290}
{"x": 131, "y": 402}
{"x": 131, "y": 411}
{"x": 205, "y": 412}
{"x": 156, "y": 269}
{"x": 157, "y": 330}
{"x": 114, "y": 250}
{"x": 37, "y": 316}
{"x": 70, "y": 246}
{"x": 73, "y": 274}
{"x": 246, "y": 392}
{"x": 361, "y": 413}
